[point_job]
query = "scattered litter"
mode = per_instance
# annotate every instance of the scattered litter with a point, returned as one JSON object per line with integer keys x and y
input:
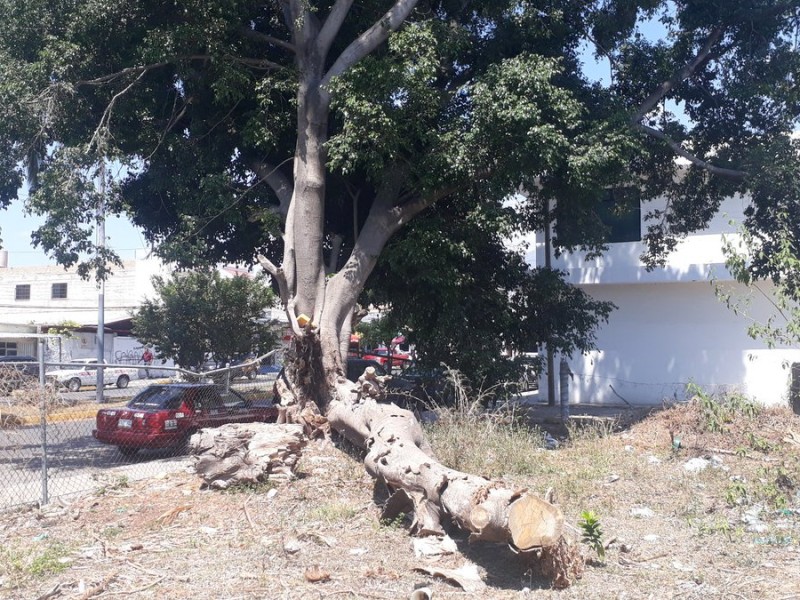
{"x": 642, "y": 512}
{"x": 433, "y": 545}
{"x": 423, "y": 593}
{"x": 653, "y": 460}
{"x": 550, "y": 442}
{"x": 291, "y": 545}
{"x": 208, "y": 530}
{"x": 358, "y": 551}
{"x": 715, "y": 460}
{"x": 752, "y": 519}
{"x": 466, "y": 576}
{"x": 695, "y": 465}
{"x": 679, "y": 566}
{"x": 651, "y": 537}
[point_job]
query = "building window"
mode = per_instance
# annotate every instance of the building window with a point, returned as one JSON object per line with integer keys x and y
{"x": 22, "y": 292}
{"x": 8, "y": 348}
{"x": 621, "y": 212}
{"x": 59, "y": 291}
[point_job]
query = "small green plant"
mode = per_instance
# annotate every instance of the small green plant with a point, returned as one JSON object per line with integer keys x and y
{"x": 395, "y": 522}
{"x": 736, "y": 494}
{"x": 117, "y": 483}
{"x": 717, "y": 526}
{"x": 256, "y": 487}
{"x": 758, "y": 443}
{"x": 16, "y": 565}
{"x": 592, "y": 533}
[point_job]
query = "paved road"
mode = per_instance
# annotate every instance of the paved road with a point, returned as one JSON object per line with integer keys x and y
{"x": 76, "y": 462}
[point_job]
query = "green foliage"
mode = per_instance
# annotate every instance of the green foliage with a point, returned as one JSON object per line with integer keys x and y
{"x": 465, "y": 298}
{"x": 592, "y": 533}
{"x": 65, "y": 328}
{"x": 40, "y": 560}
{"x": 465, "y": 104}
{"x": 202, "y": 313}
{"x": 717, "y": 412}
{"x": 736, "y": 493}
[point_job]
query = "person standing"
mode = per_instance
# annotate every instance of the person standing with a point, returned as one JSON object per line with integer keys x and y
{"x": 147, "y": 359}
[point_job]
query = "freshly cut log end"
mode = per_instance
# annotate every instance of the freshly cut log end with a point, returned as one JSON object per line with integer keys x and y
{"x": 534, "y": 523}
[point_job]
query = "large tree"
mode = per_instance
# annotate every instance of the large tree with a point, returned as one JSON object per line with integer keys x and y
{"x": 311, "y": 132}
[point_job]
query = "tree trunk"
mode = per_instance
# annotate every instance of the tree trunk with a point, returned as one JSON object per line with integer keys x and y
{"x": 316, "y": 392}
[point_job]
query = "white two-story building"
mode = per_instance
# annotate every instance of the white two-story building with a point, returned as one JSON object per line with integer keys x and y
{"x": 36, "y": 300}
{"x": 670, "y": 328}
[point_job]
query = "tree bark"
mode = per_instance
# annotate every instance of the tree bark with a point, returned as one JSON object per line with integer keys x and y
{"x": 399, "y": 455}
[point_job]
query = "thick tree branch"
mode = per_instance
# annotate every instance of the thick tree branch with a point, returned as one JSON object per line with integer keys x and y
{"x": 687, "y": 71}
{"x": 280, "y": 184}
{"x": 267, "y": 39}
{"x": 370, "y": 39}
{"x": 698, "y": 162}
{"x": 142, "y": 69}
{"x": 277, "y": 274}
{"x": 332, "y": 25}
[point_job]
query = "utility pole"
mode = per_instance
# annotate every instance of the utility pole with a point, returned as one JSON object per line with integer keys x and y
{"x": 101, "y": 299}
{"x": 551, "y": 376}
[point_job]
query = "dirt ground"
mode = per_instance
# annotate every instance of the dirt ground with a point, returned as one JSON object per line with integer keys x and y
{"x": 724, "y": 526}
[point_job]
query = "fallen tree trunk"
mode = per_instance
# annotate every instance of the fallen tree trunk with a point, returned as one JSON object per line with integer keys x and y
{"x": 399, "y": 455}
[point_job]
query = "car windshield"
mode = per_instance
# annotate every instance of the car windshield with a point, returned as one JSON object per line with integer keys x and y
{"x": 157, "y": 396}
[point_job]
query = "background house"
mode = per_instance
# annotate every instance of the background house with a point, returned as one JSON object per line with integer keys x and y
{"x": 670, "y": 329}
{"x": 36, "y": 299}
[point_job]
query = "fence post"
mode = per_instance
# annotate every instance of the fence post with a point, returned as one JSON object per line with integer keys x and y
{"x": 564, "y": 375}
{"x": 43, "y": 422}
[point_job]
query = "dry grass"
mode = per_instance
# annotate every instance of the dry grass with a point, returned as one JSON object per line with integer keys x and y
{"x": 671, "y": 533}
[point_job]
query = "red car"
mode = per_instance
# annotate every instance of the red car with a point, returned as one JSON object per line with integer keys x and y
{"x": 382, "y": 356}
{"x": 165, "y": 416}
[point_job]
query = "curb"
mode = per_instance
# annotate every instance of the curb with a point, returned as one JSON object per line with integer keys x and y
{"x": 60, "y": 416}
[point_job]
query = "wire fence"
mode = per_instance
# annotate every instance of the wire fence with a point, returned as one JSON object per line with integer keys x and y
{"x": 48, "y": 444}
{"x": 608, "y": 389}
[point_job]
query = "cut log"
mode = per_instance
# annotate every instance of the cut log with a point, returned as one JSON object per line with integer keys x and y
{"x": 398, "y": 454}
{"x": 242, "y": 453}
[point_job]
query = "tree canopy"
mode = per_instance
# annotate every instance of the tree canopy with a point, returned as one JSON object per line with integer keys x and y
{"x": 201, "y": 314}
{"x": 310, "y": 133}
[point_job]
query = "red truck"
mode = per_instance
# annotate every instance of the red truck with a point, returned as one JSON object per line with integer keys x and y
{"x": 166, "y": 415}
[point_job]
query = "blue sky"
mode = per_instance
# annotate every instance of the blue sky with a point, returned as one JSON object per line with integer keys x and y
{"x": 16, "y": 228}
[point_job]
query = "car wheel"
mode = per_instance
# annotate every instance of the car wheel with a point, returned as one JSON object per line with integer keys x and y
{"x": 251, "y": 375}
{"x": 127, "y": 450}
{"x": 74, "y": 385}
{"x": 122, "y": 381}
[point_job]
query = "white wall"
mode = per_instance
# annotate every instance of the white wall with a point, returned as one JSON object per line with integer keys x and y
{"x": 124, "y": 292}
{"x": 663, "y": 336}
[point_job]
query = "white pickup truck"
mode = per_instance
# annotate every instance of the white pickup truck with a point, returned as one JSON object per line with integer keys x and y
{"x": 85, "y": 373}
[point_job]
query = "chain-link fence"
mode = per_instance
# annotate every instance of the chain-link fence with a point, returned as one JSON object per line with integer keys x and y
{"x": 56, "y": 439}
